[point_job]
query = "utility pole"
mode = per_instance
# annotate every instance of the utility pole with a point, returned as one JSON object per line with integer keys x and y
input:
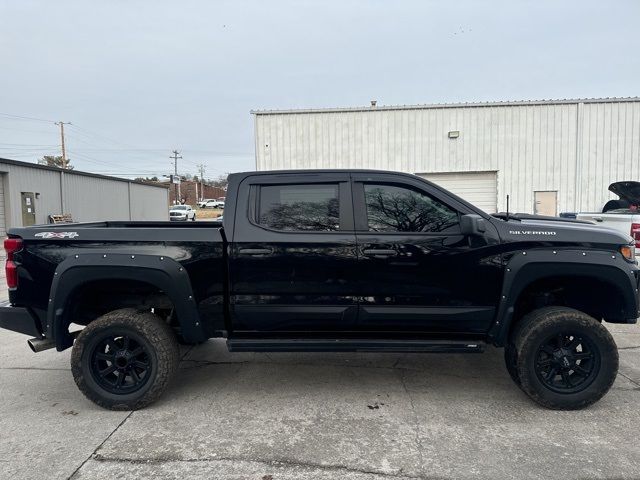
{"x": 175, "y": 158}
{"x": 65, "y": 163}
{"x": 201, "y": 168}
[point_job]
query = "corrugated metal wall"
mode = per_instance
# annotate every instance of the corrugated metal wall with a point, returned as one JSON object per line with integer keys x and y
{"x": 577, "y": 148}
{"x": 90, "y": 198}
{"x": 148, "y": 202}
{"x": 86, "y": 198}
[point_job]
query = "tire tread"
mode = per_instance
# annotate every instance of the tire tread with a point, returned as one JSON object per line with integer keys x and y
{"x": 533, "y": 326}
{"x": 160, "y": 336}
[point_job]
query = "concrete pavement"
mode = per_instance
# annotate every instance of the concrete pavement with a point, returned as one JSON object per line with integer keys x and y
{"x": 321, "y": 416}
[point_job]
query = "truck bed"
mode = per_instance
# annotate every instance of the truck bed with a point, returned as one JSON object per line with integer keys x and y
{"x": 620, "y": 220}
{"x": 197, "y": 248}
{"x": 121, "y": 231}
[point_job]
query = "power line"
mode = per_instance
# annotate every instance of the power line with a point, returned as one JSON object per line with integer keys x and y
{"x": 20, "y": 117}
{"x": 108, "y": 139}
{"x": 27, "y": 145}
{"x": 48, "y": 132}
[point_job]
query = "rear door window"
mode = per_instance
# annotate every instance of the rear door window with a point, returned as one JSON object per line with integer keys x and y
{"x": 311, "y": 207}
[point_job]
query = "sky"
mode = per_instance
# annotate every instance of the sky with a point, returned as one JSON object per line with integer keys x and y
{"x": 140, "y": 78}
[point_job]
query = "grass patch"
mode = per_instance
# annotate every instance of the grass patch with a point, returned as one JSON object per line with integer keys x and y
{"x": 208, "y": 212}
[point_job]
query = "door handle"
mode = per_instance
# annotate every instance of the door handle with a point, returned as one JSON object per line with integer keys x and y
{"x": 379, "y": 252}
{"x": 255, "y": 251}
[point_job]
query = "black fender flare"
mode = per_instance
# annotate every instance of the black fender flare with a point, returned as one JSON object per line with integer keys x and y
{"x": 529, "y": 266}
{"x": 162, "y": 272}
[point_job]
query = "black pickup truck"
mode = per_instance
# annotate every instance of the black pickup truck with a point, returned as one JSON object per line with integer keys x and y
{"x": 329, "y": 260}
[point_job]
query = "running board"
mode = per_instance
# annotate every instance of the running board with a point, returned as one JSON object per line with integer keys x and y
{"x": 351, "y": 345}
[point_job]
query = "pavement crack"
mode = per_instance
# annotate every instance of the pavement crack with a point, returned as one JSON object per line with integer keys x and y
{"x": 281, "y": 462}
{"x": 95, "y": 452}
{"x": 629, "y": 378}
{"x": 187, "y": 352}
{"x": 415, "y": 417}
{"x": 207, "y": 363}
{"x": 628, "y": 348}
{"x": 36, "y": 368}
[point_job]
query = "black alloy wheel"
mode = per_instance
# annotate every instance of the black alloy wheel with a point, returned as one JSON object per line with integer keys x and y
{"x": 125, "y": 359}
{"x": 120, "y": 363}
{"x": 567, "y": 362}
{"x": 562, "y": 358}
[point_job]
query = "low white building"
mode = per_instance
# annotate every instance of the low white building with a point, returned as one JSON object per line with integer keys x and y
{"x": 549, "y": 156}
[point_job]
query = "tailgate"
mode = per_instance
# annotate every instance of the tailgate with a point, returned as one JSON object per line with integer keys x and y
{"x": 617, "y": 221}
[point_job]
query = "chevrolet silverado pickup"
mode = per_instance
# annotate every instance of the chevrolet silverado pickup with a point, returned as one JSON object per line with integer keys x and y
{"x": 621, "y": 214}
{"x": 331, "y": 260}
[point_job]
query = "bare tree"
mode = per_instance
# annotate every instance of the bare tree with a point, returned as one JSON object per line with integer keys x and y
{"x": 54, "y": 161}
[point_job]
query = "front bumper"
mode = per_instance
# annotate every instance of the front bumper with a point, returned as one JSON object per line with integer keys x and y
{"x": 178, "y": 219}
{"x": 19, "y": 320}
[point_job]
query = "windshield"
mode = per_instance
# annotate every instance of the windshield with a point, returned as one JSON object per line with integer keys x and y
{"x": 180, "y": 207}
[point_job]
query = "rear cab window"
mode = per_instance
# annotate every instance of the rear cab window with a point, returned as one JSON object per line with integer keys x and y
{"x": 299, "y": 207}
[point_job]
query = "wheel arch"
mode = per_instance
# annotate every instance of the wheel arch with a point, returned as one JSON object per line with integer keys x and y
{"x": 584, "y": 276}
{"x": 79, "y": 271}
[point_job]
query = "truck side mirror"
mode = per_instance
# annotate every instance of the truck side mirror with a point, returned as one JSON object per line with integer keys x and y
{"x": 472, "y": 225}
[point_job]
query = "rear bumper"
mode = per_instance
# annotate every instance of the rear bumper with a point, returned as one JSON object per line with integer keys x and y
{"x": 18, "y": 319}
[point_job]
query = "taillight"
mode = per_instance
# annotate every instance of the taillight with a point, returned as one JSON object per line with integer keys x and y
{"x": 635, "y": 233}
{"x": 11, "y": 246}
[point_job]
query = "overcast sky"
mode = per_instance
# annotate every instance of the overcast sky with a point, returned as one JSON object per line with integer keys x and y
{"x": 140, "y": 78}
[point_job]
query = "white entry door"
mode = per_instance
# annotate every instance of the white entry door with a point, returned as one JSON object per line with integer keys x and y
{"x": 545, "y": 203}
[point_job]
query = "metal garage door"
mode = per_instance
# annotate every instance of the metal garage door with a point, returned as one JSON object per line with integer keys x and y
{"x": 478, "y": 188}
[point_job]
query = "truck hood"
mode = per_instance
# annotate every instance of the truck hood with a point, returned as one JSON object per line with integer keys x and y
{"x": 555, "y": 231}
{"x": 629, "y": 191}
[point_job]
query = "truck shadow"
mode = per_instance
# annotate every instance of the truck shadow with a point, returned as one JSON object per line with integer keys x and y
{"x": 209, "y": 367}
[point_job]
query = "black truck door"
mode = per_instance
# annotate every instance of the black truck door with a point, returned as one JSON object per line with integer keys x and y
{"x": 293, "y": 257}
{"x": 417, "y": 272}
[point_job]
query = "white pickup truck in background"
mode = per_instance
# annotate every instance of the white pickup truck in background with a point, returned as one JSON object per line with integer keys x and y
{"x": 622, "y": 214}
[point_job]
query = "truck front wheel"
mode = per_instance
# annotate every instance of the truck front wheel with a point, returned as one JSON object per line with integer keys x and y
{"x": 125, "y": 359}
{"x": 566, "y": 360}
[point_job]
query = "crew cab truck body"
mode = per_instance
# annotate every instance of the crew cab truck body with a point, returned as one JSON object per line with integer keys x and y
{"x": 327, "y": 261}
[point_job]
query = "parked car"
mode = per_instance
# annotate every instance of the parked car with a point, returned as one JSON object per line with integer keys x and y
{"x": 213, "y": 204}
{"x": 204, "y": 201}
{"x": 321, "y": 261}
{"x": 621, "y": 214}
{"x": 182, "y": 213}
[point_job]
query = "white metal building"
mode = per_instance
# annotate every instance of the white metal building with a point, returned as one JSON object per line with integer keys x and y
{"x": 549, "y": 156}
{"x": 31, "y": 193}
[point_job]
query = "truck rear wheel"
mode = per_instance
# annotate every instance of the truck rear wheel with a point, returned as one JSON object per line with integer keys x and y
{"x": 125, "y": 359}
{"x": 565, "y": 359}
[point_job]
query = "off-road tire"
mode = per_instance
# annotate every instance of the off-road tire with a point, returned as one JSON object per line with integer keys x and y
{"x": 150, "y": 332}
{"x": 511, "y": 354}
{"x": 538, "y": 327}
{"x": 511, "y": 362}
